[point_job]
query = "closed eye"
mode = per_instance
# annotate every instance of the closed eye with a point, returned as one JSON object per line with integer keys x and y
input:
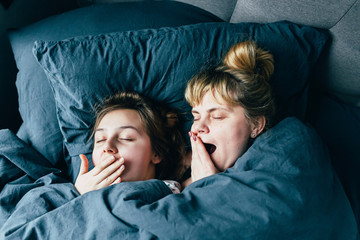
{"x": 217, "y": 118}
{"x": 196, "y": 117}
{"x": 127, "y": 139}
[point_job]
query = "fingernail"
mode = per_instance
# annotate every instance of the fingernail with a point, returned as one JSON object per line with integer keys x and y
{"x": 190, "y": 133}
{"x": 122, "y": 167}
{"x": 121, "y": 160}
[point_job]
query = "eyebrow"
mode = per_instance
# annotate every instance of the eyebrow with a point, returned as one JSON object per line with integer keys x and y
{"x": 119, "y": 128}
{"x": 213, "y": 109}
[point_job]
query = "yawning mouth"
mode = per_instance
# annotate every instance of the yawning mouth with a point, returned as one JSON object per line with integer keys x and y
{"x": 210, "y": 148}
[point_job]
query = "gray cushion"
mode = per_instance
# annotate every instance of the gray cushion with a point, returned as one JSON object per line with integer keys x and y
{"x": 339, "y": 72}
{"x": 307, "y": 12}
{"x": 342, "y": 75}
{"x": 222, "y": 9}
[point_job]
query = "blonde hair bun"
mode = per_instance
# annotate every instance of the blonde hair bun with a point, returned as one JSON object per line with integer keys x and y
{"x": 241, "y": 79}
{"x": 247, "y": 58}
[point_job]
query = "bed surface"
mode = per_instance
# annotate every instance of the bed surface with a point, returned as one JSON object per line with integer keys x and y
{"x": 251, "y": 203}
{"x": 316, "y": 154}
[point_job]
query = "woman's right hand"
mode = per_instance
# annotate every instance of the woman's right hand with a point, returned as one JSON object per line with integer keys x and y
{"x": 102, "y": 175}
{"x": 201, "y": 164}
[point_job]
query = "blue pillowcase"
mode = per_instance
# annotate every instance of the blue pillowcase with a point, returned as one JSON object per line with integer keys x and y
{"x": 40, "y": 127}
{"x": 159, "y": 62}
{"x": 338, "y": 124}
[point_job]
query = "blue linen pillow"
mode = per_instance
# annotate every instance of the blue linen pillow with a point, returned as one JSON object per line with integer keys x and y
{"x": 159, "y": 63}
{"x": 339, "y": 126}
{"x": 40, "y": 127}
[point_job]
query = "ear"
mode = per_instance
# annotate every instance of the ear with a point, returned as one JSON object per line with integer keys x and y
{"x": 258, "y": 126}
{"x": 155, "y": 159}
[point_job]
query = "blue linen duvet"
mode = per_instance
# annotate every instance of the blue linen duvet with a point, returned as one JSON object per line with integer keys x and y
{"x": 283, "y": 187}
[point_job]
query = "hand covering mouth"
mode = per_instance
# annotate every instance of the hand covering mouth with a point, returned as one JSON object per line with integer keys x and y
{"x": 210, "y": 148}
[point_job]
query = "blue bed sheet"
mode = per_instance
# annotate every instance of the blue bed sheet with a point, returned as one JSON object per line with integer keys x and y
{"x": 283, "y": 187}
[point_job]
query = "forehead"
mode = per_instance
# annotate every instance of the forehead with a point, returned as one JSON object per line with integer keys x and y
{"x": 210, "y": 100}
{"x": 121, "y": 117}
{"x": 213, "y": 104}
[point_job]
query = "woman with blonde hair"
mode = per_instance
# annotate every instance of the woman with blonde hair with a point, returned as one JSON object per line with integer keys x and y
{"x": 231, "y": 104}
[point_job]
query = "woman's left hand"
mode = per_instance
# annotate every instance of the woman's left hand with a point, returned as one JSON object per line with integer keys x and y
{"x": 201, "y": 163}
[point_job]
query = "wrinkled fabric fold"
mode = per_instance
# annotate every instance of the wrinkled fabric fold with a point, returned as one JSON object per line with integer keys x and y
{"x": 283, "y": 187}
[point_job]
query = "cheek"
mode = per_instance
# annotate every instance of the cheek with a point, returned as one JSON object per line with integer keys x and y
{"x": 137, "y": 163}
{"x": 236, "y": 144}
{"x": 96, "y": 156}
{"x": 237, "y": 141}
{"x": 193, "y": 127}
{"x": 136, "y": 154}
{"x": 219, "y": 131}
{"x": 233, "y": 139}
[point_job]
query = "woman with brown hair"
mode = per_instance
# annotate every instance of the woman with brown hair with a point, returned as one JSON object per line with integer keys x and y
{"x": 134, "y": 140}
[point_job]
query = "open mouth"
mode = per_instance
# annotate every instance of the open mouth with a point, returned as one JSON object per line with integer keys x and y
{"x": 210, "y": 148}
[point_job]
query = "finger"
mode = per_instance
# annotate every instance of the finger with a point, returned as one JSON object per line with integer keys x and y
{"x": 84, "y": 165}
{"x": 203, "y": 155}
{"x": 113, "y": 169}
{"x": 108, "y": 160}
{"x": 196, "y": 167}
{"x": 206, "y": 166}
{"x": 115, "y": 176}
{"x": 193, "y": 138}
{"x": 118, "y": 180}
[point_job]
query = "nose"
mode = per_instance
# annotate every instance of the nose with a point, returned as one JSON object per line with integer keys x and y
{"x": 109, "y": 147}
{"x": 200, "y": 127}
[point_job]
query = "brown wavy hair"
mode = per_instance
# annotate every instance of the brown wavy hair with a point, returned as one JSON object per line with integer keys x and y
{"x": 160, "y": 124}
